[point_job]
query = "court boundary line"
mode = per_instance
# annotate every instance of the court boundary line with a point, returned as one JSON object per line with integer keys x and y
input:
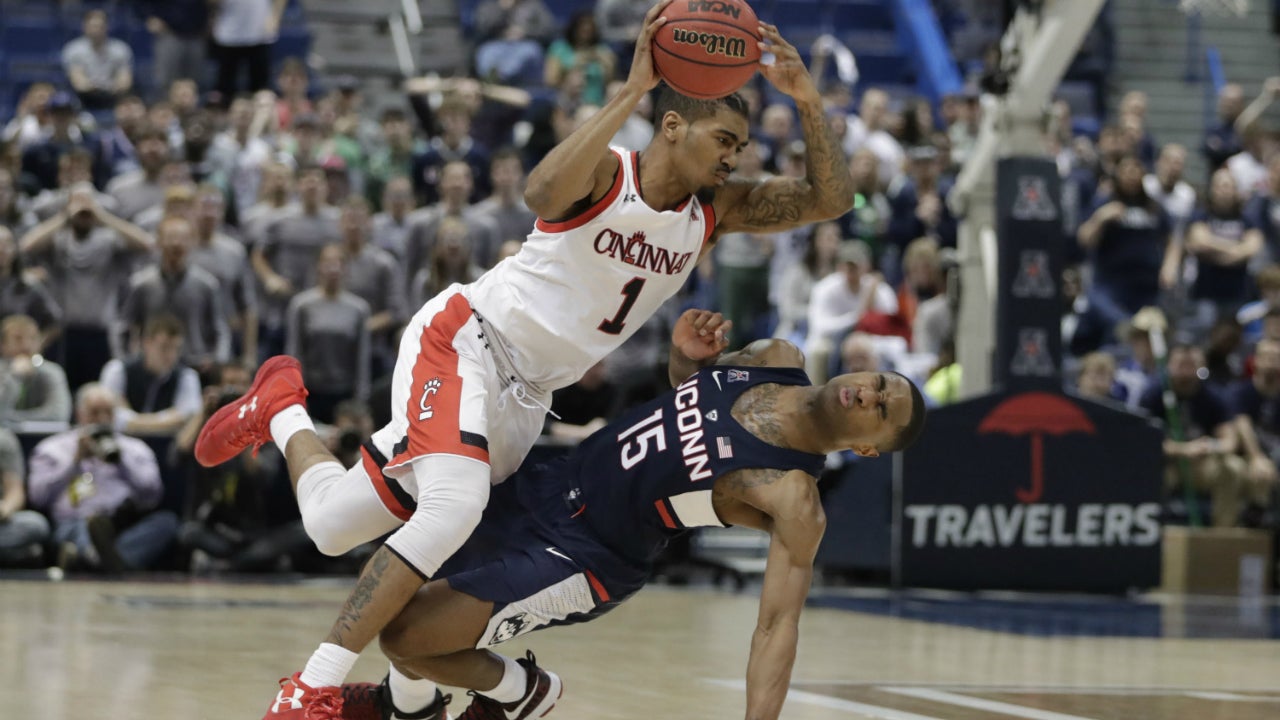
{"x": 974, "y": 703}
{"x": 834, "y": 703}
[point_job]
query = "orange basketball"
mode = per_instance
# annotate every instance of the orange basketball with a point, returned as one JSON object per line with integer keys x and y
{"x": 707, "y": 48}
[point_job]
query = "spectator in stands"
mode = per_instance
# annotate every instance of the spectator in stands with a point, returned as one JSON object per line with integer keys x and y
{"x": 293, "y": 102}
{"x": 1167, "y": 187}
{"x": 448, "y": 261}
{"x": 777, "y": 130}
{"x": 1097, "y": 376}
{"x": 742, "y": 269}
{"x": 303, "y": 144}
{"x": 1137, "y": 373}
{"x": 178, "y": 29}
{"x": 227, "y": 261}
{"x": 286, "y": 257}
{"x": 115, "y": 154}
{"x": 1224, "y": 241}
{"x": 455, "y": 187}
{"x": 1251, "y": 315}
{"x": 179, "y": 201}
{"x": 62, "y": 135}
{"x": 495, "y": 18}
{"x": 1256, "y": 109}
{"x": 1221, "y": 140}
{"x": 275, "y": 194}
{"x": 798, "y": 281}
{"x": 391, "y": 226}
{"x": 100, "y": 487}
{"x": 506, "y": 207}
{"x": 922, "y": 297}
{"x": 373, "y": 275}
{"x": 243, "y": 33}
{"x": 87, "y": 254}
{"x": 583, "y": 407}
{"x": 1256, "y": 402}
{"x": 23, "y": 532}
{"x": 33, "y": 389}
{"x": 1248, "y": 167}
{"x": 25, "y": 293}
{"x": 1200, "y": 436}
{"x": 868, "y": 221}
{"x": 99, "y": 68}
{"x": 237, "y": 155}
{"x": 454, "y": 144}
{"x": 328, "y": 330}
{"x": 839, "y": 301}
{"x": 584, "y": 49}
{"x": 189, "y": 293}
{"x": 917, "y": 210}
{"x": 158, "y": 393}
{"x": 30, "y": 118}
{"x": 1130, "y": 241}
{"x": 144, "y": 187}
{"x": 74, "y": 168}
{"x": 869, "y": 128}
{"x": 1133, "y": 122}
{"x": 393, "y": 157}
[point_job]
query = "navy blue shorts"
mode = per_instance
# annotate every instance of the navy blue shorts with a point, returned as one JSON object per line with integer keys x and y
{"x": 537, "y": 564}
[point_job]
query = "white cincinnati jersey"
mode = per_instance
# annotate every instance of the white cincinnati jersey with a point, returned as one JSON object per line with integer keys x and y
{"x": 579, "y": 288}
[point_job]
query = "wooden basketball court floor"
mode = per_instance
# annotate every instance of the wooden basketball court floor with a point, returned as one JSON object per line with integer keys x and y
{"x": 188, "y": 650}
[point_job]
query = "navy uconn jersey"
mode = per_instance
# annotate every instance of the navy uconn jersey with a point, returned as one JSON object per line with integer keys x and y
{"x": 653, "y": 469}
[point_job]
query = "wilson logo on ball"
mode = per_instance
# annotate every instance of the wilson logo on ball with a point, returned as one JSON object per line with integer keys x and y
{"x": 713, "y": 43}
{"x": 714, "y": 6}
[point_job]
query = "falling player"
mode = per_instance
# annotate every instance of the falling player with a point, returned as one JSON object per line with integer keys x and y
{"x": 738, "y": 442}
{"x": 478, "y": 362}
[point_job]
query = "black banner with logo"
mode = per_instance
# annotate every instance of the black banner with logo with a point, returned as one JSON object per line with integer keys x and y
{"x": 1031, "y": 491}
{"x": 1028, "y": 301}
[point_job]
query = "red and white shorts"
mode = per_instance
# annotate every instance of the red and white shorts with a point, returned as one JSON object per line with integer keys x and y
{"x": 450, "y": 397}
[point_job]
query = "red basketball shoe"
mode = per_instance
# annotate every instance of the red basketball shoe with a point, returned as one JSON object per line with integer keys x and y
{"x": 247, "y": 421}
{"x": 542, "y": 691}
{"x": 298, "y": 701}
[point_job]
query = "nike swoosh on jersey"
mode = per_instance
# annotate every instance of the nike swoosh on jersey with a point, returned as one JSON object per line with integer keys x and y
{"x": 557, "y": 553}
{"x": 716, "y": 376}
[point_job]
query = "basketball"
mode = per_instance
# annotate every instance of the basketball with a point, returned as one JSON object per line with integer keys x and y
{"x": 707, "y": 48}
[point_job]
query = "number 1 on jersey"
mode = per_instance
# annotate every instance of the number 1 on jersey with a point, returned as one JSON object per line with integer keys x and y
{"x": 630, "y": 293}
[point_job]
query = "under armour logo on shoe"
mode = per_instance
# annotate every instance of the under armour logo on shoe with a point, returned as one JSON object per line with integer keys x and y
{"x": 291, "y": 702}
{"x": 252, "y": 406}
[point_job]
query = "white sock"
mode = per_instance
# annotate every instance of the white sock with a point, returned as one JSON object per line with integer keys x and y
{"x": 328, "y": 666}
{"x": 409, "y": 695}
{"x": 513, "y": 684}
{"x": 287, "y": 423}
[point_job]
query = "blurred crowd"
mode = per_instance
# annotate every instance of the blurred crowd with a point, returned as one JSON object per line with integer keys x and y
{"x": 154, "y": 251}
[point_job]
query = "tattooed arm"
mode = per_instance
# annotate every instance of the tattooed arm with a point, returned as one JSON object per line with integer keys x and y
{"x": 792, "y": 513}
{"x": 780, "y": 203}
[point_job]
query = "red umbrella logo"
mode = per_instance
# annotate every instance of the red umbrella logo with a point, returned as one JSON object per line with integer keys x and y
{"x": 1035, "y": 414}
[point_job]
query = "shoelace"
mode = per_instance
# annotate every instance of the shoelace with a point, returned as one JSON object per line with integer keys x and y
{"x": 324, "y": 706}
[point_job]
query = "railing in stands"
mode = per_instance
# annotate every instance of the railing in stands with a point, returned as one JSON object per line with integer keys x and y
{"x": 920, "y": 33}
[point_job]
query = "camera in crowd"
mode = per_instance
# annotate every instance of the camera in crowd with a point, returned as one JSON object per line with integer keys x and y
{"x": 105, "y": 445}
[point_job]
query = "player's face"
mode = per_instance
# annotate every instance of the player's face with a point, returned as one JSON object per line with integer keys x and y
{"x": 871, "y": 407}
{"x": 712, "y": 147}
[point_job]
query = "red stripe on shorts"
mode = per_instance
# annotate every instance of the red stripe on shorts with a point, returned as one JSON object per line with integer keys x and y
{"x": 379, "y": 482}
{"x": 435, "y": 399}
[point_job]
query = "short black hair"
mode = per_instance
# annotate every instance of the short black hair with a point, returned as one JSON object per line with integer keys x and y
{"x": 908, "y": 435}
{"x": 693, "y": 109}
